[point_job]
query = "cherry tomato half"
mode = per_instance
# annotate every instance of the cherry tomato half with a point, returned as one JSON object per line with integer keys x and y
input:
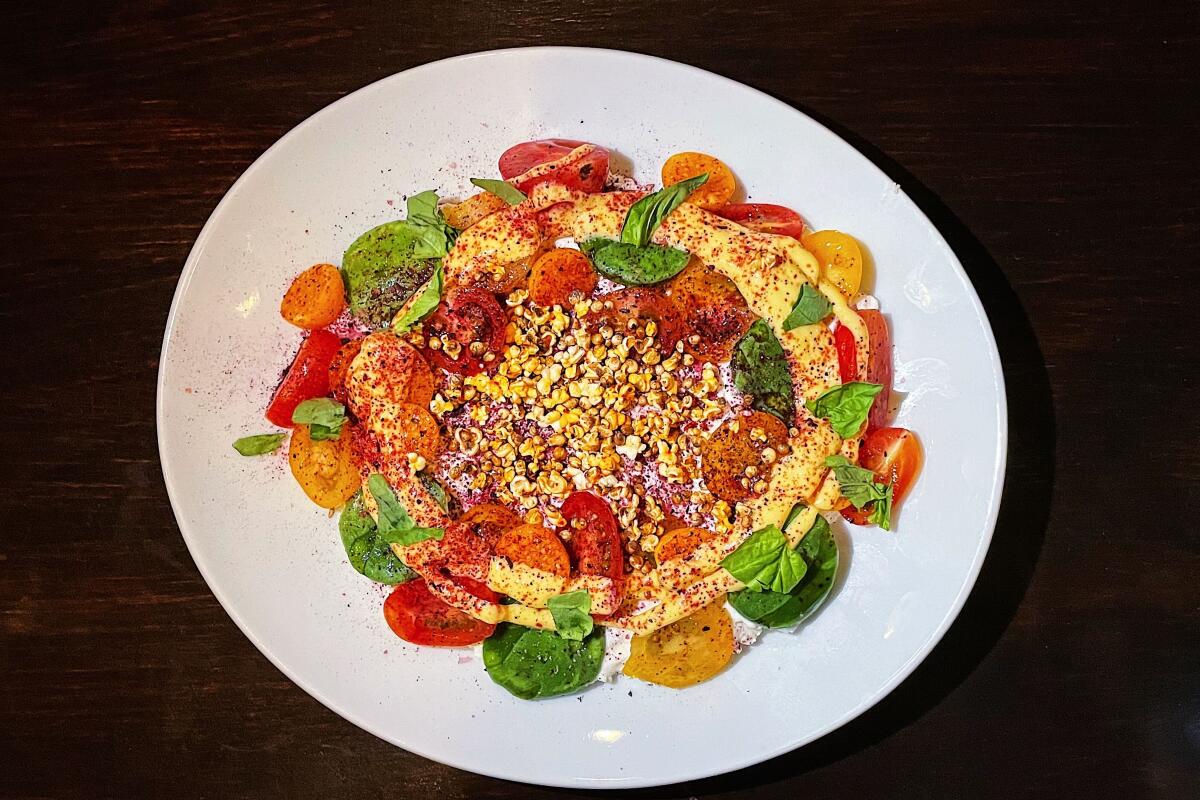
{"x": 586, "y": 172}
{"x": 764, "y": 218}
{"x": 595, "y": 543}
{"x": 465, "y": 317}
{"x": 843, "y": 340}
{"x": 894, "y": 455}
{"x": 308, "y": 377}
{"x": 416, "y": 615}
{"x": 879, "y": 366}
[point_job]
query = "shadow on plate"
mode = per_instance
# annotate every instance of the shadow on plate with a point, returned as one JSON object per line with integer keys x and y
{"x": 1017, "y": 542}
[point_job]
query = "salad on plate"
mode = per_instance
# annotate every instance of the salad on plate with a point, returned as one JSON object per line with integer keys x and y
{"x": 592, "y": 426}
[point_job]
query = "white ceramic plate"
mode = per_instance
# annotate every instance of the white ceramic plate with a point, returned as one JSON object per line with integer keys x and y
{"x": 275, "y": 561}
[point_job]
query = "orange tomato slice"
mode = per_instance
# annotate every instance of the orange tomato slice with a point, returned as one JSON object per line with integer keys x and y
{"x": 315, "y": 298}
{"x": 686, "y": 652}
{"x": 559, "y": 273}
{"x": 680, "y": 542}
{"x": 537, "y": 547}
{"x": 715, "y": 192}
{"x": 326, "y": 468}
{"x": 735, "y": 447}
{"x": 840, "y": 257}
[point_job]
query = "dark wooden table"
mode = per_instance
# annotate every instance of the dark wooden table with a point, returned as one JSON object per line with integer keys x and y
{"x": 1055, "y": 147}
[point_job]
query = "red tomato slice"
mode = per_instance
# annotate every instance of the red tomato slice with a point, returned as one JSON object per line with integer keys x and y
{"x": 416, "y": 615}
{"x": 879, "y": 366}
{"x": 308, "y": 377}
{"x": 550, "y": 161}
{"x": 468, "y": 316}
{"x": 642, "y": 304}
{"x": 894, "y": 455}
{"x": 521, "y": 158}
{"x": 843, "y": 340}
{"x": 595, "y": 543}
{"x": 765, "y": 218}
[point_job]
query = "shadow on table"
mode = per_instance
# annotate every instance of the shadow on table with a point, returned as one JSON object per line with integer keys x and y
{"x": 1020, "y": 529}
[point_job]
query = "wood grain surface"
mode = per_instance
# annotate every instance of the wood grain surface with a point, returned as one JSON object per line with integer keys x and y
{"x": 1052, "y": 142}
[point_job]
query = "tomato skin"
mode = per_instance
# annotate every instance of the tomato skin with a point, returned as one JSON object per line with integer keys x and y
{"x": 308, "y": 377}
{"x": 537, "y": 547}
{"x": 879, "y": 366}
{"x": 521, "y": 158}
{"x": 468, "y": 315}
{"x": 894, "y": 455}
{"x": 416, "y": 615}
{"x": 644, "y": 304}
{"x": 586, "y": 172}
{"x": 764, "y": 218}
{"x": 843, "y": 340}
{"x": 595, "y": 543}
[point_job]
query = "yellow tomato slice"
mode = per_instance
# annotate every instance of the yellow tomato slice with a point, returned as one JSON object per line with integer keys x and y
{"x": 715, "y": 192}
{"x": 315, "y": 298}
{"x": 686, "y": 652}
{"x": 679, "y": 542}
{"x": 840, "y": 257}
{"x": 324, "y": 468}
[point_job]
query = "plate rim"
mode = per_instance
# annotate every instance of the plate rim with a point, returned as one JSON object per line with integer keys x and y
{"x": 617, "y": 782}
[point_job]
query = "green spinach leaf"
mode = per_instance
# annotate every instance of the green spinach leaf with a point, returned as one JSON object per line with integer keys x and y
{"x": 369, "y": 554}
{"x": 647, "y": 214}
{"x": 382, "y": 271}
{"x": 760, "y": 369}
{"x": 419, "y": 306}
{"x": 385, "y": 266}
{"x": 765, "y": 562}
{"x": 571, "y": 614}
{"x": 436, "y": 489}
{"x": 811, "y": 307}
{"x": 634, "y": 265}
{"x": 259, "y": 444}
{"x": 502, "y": 189}
{"x": 324, "y": 417}
{"x": 782, "y": 610}
{"x": 531, "y": 663}
{"x": 395, "y": 525}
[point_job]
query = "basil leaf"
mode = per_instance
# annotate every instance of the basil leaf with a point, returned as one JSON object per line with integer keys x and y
{"x": 859, "y": 487}
{"x": 765, "y": 561}
{"x": 779, "y": 610}
{"x": 369, "y": 554}
{"x": 395, "y": 525}
{"x": 846, "y": 406}
{"x": 259, "y": 444}
{"x": 324, "y": 417}
{"x": 571, "y": 614}
{"x": 648, "y": 213}
{"x": 434, "y": 234}
{"x": 760, "y": 369}
{"x": 382, "y": 270}
{"x": 635, "y": 265}
{"x": 417, "y": 308}
{"x": 811, "y": 307}
{"x": 502, "y": 189}
{"x": 533, "y": 663}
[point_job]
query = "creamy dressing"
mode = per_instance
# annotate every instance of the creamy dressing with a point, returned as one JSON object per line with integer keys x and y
{"x": 770, "y": 272}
